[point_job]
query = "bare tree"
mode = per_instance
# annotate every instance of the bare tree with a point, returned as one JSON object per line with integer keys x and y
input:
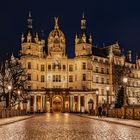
{"x": 13, "y": 82}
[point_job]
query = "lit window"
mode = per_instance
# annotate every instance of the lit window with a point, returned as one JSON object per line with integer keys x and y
{"x": 29, "y": 65}
{"x": 102, "y": 92}
{"x": 107, "y": 81}
{"x": 102, "y": 70}
{"x": 107, "y": 70}
{"x": 102, "y": 80}
{"x": 96, "y": 79}
{"x": 49, "y": 67}
{"x": 64, "y": 67}
{"x": 42, "y": 78}
{"x": 96, "y": 69}
{"x": 70, "y": 78}
{"x": 53, "y": 78}
{"x": 84, "y": 66}
{"x": 70, "y": 67}
{"x": 84, "y": 77}
{"x": 29, "y": 77}
{"x": 42, "y": 67}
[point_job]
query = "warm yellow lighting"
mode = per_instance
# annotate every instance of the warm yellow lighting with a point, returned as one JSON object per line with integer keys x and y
{"x": 18, "y": 92}
{"x": 133, "y": 101}
{"x": 125, "y": 79}
{"x": 9, "y": 87}
{"x": 107, "y": 88}
{"x": 97, "y": 92}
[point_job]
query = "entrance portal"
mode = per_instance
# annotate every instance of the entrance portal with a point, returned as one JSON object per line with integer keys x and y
{"x": 57, "y": 104}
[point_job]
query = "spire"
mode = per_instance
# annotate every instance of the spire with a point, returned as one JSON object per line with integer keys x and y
{"x": 90, "y": 38}
{"x": 12, "y": 57}
{"x": 56, "y": 23}
{"x": 83, "y": 16}
{"x": 83, "y": 22}
{"x": 29, "y": 21}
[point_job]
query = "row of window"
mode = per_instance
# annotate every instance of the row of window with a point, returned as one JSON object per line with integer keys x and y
{"x": 102, "y": 80}
{"x": 50, "y": 67}
{"x": 102, "y": 70}
{"x": 57, "y": 78}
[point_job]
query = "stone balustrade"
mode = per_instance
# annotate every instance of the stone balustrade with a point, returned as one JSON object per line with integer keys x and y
{"x": 6, "y": 113}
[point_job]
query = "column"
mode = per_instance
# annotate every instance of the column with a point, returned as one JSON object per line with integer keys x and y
{"x": 28, "y": 106}
{"x": 73, "y": 104}
{"x": 86, "y": 103}
{"x": 79, "y": 104}
{"x": 63, "y": 110}
{"x": 71, "y": 109}
{"x": 51, "y": 111}
{"x": 46, "y": 107}
{"x": 44, "y": 103}
{"x": 35, "y": 103}
{"x": 41, "y": 103}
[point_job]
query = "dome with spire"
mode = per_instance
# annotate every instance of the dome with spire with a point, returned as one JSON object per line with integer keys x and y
{"x": 56, "y": 38}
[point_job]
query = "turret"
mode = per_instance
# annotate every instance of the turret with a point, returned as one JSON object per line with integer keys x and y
{"x": 30, "y": 43}
{"x": 83, "y": 42}
{"x": 138, "y": 61}
{"x": 129, "y": 56}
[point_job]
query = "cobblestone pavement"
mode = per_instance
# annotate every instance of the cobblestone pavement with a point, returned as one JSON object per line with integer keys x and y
{"x": 66, "y": 127}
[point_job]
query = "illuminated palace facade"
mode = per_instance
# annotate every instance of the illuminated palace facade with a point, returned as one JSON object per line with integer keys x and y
{"x": 59, "y": 83}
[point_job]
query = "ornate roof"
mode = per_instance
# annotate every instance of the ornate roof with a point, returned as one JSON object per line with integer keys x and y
{"x": 56, "y": 33}
{"x": 56, "y": 39}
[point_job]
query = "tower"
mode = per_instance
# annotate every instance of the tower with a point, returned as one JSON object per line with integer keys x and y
{"x": 83, "y": 42}
{"x": 30, "y": 43}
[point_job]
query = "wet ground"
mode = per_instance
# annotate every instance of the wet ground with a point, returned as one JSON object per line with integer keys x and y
{"x": 59, "y": 126}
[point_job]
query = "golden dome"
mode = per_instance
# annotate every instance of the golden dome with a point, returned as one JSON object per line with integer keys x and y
{"x": 56, "y": 35}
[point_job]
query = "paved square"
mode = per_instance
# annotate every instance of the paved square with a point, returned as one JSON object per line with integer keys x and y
{"x": 60, "y": 126}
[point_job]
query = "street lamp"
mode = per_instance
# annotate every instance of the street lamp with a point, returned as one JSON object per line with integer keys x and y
{"x": 107, "y": 94}
{"x": 18, "y": 92}
{"x": 90, "y": 104}
{"x": 97, "y": 94}
{"x": 107, "y": 90}
{"x": 133, "y": 109}
{"x": 9, "y": 92}
{"x": 125, "y": 80}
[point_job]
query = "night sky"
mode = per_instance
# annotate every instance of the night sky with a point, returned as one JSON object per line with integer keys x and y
{"x": 107, "y": 20}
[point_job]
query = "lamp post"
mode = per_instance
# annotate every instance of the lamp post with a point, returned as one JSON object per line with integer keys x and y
{"x": 107, "y": 94}
{"x": 97, "y": 94}
{"x": 9, "y": 94}
{"x": 125, "y": 80}
{"x": 133, "y": 109}
{"x": 90, "y": 104}
{"x": 18, "y": 92}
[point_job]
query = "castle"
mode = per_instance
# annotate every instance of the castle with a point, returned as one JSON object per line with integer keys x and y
{"x": 94, "y": 75}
